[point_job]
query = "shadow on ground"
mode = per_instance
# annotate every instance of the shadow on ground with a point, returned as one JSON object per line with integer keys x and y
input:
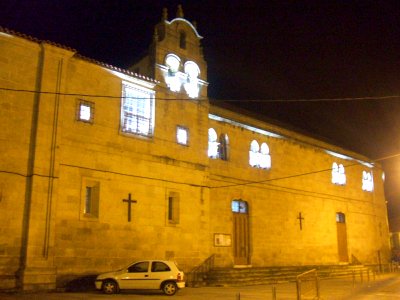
{"x": 78, "y": 284}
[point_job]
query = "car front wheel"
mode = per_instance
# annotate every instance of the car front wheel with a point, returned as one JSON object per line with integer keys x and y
{"x": 110, "y": 287}
{"x": 169, "y": 288}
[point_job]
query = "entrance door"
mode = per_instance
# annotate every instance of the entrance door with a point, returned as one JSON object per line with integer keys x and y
{"x": 240, "y": 232}
{"x": 342, "y": 237}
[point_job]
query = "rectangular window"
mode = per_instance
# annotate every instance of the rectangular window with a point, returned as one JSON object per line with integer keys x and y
{"x": 173, "y": 208}
{"x": 137, "y": 110}
{"x": 85, "y": 111}
{"x": 90, "y": 198}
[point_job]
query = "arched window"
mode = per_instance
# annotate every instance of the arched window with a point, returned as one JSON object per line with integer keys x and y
{"x": 342, "y": 175}
{"x": 173, "y": 63}
{"x": 259, "y": 157}
{"x": 212, "y": 143}
{"x": 265, "y": 158}
{"x": 340, "y": 217}
{"x": 191, "y": 86}
{"x": 367, "y": 181}
{"x": 223, "y": 146}
{"x": 253, "y": 153}
{"x": 182, "y": 40}
{"x": 338, "y": 174}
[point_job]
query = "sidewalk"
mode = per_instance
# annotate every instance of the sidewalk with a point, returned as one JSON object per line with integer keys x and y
{"x": 330, "y": 289}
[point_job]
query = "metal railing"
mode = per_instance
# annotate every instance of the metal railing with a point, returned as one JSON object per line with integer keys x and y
{"x": 307, "y": 285}
{"x": 196, "y": 276}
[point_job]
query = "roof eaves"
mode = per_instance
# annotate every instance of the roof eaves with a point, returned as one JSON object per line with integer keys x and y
{"x": 91, "y": 60}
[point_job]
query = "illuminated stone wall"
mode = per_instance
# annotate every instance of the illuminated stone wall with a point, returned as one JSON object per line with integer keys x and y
{"x": 51, "y": 157}
{"x": 299, "y": 180}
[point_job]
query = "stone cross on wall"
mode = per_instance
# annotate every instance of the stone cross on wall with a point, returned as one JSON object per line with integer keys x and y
{"x": 300, "y": 218}
{"x": 130, "y": 201}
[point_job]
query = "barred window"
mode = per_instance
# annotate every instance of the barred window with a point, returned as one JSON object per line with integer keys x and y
{"x": 137, "y": 110}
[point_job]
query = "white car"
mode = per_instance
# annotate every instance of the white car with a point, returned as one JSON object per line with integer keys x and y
{"x": 143, "y": 275}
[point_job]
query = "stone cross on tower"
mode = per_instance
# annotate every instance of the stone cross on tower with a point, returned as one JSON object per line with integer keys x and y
{"x": 130, "y": 201}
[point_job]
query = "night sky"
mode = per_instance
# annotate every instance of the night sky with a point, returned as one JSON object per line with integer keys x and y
{"x": 261, "y": 50}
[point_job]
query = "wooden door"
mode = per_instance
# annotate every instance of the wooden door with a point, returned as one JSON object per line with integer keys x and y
{"x": 241, "y": 238}
{"x": 342, "y": 238}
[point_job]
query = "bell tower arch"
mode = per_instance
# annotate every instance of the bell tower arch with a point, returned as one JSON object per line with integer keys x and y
{"x": 176, "y": 58}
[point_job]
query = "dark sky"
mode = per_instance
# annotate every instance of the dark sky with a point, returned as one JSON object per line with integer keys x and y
{"x": 266, "y": 50}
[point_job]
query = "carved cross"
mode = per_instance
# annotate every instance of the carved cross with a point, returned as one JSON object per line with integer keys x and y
{"x": 130, "y": 201}
{"x": 300, "y": 218}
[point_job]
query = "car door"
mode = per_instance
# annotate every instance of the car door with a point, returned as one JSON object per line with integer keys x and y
{"x": 136, "y": 276}
{"x": 158, "y": 273}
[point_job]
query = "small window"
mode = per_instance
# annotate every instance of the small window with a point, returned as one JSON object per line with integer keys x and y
{"x": 239, "y": 206}
{"x": 182, "y": 135}
{"x": 85, "y": 111}
{"x": 141, "y": 267}
{"x": 182, "y": 40}
{"x": 340, "y": 217}
{"x": 159, "y": 266}
{"x": 90, "y": 198}
{"x": 173, "y": 208}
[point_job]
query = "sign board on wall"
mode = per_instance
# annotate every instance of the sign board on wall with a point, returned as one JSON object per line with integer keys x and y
{"x": 222, "y": 240}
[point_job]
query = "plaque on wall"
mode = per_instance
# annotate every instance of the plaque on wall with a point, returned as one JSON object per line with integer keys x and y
{"x": 222, "y": 240}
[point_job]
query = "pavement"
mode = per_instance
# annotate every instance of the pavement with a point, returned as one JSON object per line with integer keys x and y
{"x": 383, "y": 287}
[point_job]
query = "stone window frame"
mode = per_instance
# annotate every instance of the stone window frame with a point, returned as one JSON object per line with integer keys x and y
{"x": 90, "y": 199}
{"x": 137, "y": 110}
{"x": 173, "y": 208}
{"x": 80, "y": 104}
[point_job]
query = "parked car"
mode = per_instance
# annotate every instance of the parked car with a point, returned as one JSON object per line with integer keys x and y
{"x": 143, "y": 275}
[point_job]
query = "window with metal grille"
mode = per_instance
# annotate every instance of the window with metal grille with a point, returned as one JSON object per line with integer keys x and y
{"x": 137, "y": 110}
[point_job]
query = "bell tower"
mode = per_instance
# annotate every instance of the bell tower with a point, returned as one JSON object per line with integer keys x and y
{"x": 176, "y": 58}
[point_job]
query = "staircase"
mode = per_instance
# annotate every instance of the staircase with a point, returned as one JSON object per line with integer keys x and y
{"x": 269, "y": 275}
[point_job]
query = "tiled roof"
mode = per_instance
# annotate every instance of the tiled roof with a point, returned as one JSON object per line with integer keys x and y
{"x": 77, "y": 55}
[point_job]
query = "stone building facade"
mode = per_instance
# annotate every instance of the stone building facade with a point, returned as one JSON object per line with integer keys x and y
{"x": 102, "y": 166}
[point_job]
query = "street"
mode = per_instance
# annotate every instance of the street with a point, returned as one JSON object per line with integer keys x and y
{"x": 385, "y": 287}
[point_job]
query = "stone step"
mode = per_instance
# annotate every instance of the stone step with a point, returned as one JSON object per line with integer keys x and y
{"x": 269, "y": 275}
